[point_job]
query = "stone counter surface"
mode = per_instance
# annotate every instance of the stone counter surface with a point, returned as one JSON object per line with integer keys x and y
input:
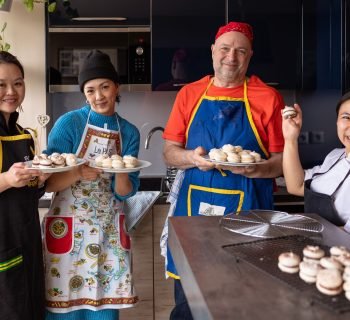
{"x": 220, "y": 287}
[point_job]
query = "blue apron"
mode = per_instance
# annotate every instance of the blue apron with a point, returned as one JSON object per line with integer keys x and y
{"x": 217, "y": 121}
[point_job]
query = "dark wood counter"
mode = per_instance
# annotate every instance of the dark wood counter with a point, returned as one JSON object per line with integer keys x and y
{"x": 219, "y": 287}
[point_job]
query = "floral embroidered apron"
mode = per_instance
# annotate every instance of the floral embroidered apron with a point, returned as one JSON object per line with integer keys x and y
{"x": 87, "y": 251}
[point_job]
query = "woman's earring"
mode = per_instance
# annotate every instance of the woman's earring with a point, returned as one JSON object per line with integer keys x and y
{"x": 20, "y": 108}
{"x": 87, "y": 102}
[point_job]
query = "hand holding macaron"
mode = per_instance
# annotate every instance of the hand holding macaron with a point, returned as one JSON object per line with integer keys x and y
{"x": 291, "y": 122}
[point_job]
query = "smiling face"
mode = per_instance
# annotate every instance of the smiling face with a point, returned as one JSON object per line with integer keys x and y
{"x": 343, "y": 125}
{"x": 101, "y": 95}
{"x": 12, "y": 88}
{"x": 231, "y": 54}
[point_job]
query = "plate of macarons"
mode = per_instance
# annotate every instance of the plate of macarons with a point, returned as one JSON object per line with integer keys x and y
{"x": 55, "y": 162}
{"x": 233, "y": 156}
{"x": 118, "y": 164}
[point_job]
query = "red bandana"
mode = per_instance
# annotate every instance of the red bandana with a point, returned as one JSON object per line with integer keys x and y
{"x": 242, "y": 27}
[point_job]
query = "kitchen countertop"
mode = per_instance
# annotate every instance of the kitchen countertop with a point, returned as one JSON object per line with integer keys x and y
{"x": 282, "y": 199}
{"x": 219, "y": 286}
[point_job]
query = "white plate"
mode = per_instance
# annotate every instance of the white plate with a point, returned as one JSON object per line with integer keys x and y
{"x": 141, "y": 165}
{"x": 232, "y": 164}
{"x": 57, "y": 169}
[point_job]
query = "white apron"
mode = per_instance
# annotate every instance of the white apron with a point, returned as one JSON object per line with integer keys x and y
{"x": 87, "y": 251}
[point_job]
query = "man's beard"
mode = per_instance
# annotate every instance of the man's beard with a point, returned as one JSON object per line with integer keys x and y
{"x": 229, "y": 74}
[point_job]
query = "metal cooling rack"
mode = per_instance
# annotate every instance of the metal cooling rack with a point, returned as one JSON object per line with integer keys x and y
{"x": 263, "y": 255}
{"x": 270, "y": 224}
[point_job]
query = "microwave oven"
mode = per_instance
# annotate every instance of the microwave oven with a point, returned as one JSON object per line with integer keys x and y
{"x": 128, "y": 48}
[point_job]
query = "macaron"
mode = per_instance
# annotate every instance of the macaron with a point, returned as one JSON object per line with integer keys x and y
{"x": 247, "y": 158}
{"x": 118, "y": 164}
{"x": 35, "y": 162}
{"x": 107, "y": 163}
{"x": 217, "y": 154}
{"x": 331, "y": 263}
{"x": 344, "y": 259}
{"x": 233, "y": 157}
{"x": 116, "y": 157}
{"x": 289, "y": 112}
{"x": 228, "y": 148}
{"x": 130, "y": 161}
{"x": 346, "y": 274}
{"x": 308, "y": 271}
{"x": 58, "y": 161}
{"x": 329, "y": 282}
{"x": 311, "y": 253}
{"x": 337, "y": 251}
{"x": 288, "y": 262}
{"x": 238, "y": 149}
{"x": 99, "y": 159}
{"x": 71, "y": 159}
{"x": 45, "y": 163}
{"x": 256, "y": 155}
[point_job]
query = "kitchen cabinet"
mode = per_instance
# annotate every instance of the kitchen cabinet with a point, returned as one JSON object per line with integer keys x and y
{"x": 277, "y": 39}
{"x": 300, "y": 48}
{"x": 101, "y": 13}
{"x": 182, "y": 33}
{"x": 346, "y": 47}
{"x": 154, "y": 291}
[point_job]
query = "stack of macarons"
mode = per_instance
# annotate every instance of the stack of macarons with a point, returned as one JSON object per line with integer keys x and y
{"x": 313, "y": 254}
{"x": 329, "y": 282}
{"x": 234, "y": 154}
{"x": 310, "y": 265}
{"x": 288, "y": 262}
{"x": 331, "y": 274}
{"x": 115, "y": 161}
{"x": 55, "y": 160}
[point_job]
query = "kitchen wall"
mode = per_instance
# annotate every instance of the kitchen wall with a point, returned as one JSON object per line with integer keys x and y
{"x": 26, "y": 33}
{"x": 144, "y": 109}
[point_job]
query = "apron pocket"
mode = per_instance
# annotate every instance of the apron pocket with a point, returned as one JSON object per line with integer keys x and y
{"x": 59, "y": 234}
{"x": 12, "y": 284}
{"x": 124, "y": 237}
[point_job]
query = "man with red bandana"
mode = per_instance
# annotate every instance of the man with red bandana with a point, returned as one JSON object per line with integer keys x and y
{"x": 227, "y": 108}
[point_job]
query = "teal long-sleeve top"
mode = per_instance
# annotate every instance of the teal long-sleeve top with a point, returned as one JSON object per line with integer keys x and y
{"x": 68, "y": 130}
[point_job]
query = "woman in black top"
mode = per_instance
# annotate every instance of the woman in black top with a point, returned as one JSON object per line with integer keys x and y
{"x": 21, "y": 263}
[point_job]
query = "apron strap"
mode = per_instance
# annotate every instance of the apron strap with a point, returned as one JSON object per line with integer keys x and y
{"x": 332, "y": 166}
{"x": 341, "y": 183}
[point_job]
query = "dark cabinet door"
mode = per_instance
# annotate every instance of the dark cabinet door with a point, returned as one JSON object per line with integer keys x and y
{"x": 346, "y": 47}
{"x": 182, "y": 33}
{"x": 277, "y": 39}
{"x": 101, "y": 12}
{"x": 321, "y": 54}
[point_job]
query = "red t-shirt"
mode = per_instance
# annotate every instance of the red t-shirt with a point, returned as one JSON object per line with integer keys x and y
{"x": 265, "y": 102}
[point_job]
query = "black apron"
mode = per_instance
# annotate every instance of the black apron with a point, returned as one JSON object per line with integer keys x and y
{"x": 21, "y": 263}
{"x": 320, "y": 203}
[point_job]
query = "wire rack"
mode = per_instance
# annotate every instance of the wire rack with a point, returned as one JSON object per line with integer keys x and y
{"x": 263, "y": 255}
{"x": 270, "y": 224}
